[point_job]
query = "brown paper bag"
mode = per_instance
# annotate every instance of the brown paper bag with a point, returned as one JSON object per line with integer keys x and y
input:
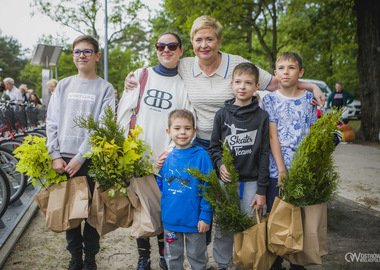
{"x": 42, "y": 200}
{"x": 314, "y": 218}
{"x": 68, "y": 204}
{"x": 285, "y": 235}
{"x": 97, "y": 215}
{"x": 250, "y": 247}
{"x": 118, "y": 210}
{"x": 145, "y": 197}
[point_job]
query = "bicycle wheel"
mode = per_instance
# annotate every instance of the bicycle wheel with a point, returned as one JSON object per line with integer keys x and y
{"x": 4, "y": 193}
{"x": 34, "y": 133}
{"x": 17, "y": 180}
{"x": 42, "y": 131}
{"x": 10, "y": 144}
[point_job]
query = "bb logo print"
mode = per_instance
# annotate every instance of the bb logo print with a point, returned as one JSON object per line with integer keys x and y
{"x": 158, "y": 99}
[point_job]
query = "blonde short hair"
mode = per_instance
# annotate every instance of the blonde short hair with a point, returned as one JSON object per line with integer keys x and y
{"x": 52, "y": 82}
{"x": 206, "y": 22}
{"x": 23, "y": 88}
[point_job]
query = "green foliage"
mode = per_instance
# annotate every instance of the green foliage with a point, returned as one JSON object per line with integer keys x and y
{"x": 66, "y": 66}
{"x": 31, "y": 76}
{"x": 224, "y": 199}
{"x": 323, "y": 32}
{"x": 11, "y": 61}
{"x": 115, "y": 160}
{"x": 35, "y": 161}
{"x": 121, "y": 62}
{"x": 312, "y": 178}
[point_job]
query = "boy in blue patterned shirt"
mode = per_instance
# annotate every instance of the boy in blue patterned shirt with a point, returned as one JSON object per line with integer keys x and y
{"x": 290, "y": 118}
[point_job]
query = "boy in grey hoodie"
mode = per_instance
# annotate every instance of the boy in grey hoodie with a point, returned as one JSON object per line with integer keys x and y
{"x": 84, "y": 94}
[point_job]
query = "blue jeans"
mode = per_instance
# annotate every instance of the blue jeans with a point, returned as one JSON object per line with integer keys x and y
{"x": 89, "y": 241}
{"x": 205, "y": 145}
{"x": 272, "y": 192}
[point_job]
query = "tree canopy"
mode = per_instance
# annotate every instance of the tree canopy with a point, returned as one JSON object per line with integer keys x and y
{"x": 11, "y": 58}
{"x": 323, "y": 32}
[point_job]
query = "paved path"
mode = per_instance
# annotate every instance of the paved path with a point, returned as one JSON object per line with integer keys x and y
{"x": 359, "y": 170}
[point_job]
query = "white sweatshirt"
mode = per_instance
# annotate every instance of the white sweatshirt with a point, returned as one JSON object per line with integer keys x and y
{"x": 161, "y": 96}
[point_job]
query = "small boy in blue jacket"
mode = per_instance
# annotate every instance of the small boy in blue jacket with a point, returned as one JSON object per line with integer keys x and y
{"x": 186, "y": 215}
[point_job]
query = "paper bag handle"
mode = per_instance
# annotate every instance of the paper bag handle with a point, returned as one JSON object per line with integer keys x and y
{"x": 257, "y": 214}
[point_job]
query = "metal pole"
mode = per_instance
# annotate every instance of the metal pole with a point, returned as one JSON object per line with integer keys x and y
{"x": 105, "y": 42}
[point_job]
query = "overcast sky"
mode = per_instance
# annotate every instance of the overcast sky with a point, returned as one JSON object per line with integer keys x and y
{"x": 16, "y": 21}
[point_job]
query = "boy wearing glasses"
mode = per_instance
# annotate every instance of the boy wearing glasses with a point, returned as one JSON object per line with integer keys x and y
{"x": 84, "y": 94}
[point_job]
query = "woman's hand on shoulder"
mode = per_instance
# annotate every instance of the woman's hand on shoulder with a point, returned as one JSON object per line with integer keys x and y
{"x": 129, "y": 84}
{"x": 319, "y": 97}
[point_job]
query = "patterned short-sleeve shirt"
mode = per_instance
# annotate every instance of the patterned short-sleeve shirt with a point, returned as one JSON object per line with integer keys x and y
{"x": 293, "y": 117}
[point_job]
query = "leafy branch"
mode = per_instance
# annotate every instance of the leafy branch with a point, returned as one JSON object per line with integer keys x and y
{"x": 115, "y": 159}
{"x": 35, "y": 161}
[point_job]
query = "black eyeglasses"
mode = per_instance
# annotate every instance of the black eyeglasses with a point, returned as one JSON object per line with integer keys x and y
{"x": 86, "y": 52}
{"x": 171, "y": 46}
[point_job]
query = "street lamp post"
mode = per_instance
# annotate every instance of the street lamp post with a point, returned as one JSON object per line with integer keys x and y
{"x": 105, "y": 42}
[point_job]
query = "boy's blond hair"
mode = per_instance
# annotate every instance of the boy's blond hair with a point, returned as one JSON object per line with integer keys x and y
{"x": 181, "y": 113}
{"x": 52, "y": 83}
{"x": 290, "y": 56}
{"x": 23, "y": 88}
{"x": 206, "y": 22}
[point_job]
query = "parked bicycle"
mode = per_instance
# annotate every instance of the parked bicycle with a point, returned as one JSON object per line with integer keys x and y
{"x": 5, "y": 192}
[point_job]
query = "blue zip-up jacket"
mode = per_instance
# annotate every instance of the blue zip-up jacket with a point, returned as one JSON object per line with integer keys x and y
{"x": 182, "y": 205}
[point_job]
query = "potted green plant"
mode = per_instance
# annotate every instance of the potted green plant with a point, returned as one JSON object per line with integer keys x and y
{"x": 310, "y": 183}
{"x": 116, "y": 161}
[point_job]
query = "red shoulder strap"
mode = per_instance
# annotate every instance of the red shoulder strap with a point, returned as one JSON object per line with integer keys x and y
{"x": 142, "y": 81}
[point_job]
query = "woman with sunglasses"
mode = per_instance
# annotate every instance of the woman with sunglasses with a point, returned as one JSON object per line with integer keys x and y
{"x": 164, "y": 92}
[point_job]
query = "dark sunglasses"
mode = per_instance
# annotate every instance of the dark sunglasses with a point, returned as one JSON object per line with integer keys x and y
{"x": 171, "y": 46}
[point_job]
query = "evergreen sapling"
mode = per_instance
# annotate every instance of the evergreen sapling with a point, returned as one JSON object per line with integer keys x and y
{"x": 223, "y": 198}
{"x": 312, "y": 178}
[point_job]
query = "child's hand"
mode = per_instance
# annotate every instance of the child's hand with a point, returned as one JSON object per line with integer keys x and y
{"x": 161, "y": 160}
{"x": 282, "y": 175}
{"x": 259, "y": 200}
{"x": 224, "y": 175}
{"x": 203, "y": 226}
{"x": 58, "y": 165}
{"x": 73, "y": 167}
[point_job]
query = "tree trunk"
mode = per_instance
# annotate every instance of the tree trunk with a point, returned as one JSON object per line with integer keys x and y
{"x": 368, "y": 31}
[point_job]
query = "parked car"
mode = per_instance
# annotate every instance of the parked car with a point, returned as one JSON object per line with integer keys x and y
{"x": 353, "y": 110}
